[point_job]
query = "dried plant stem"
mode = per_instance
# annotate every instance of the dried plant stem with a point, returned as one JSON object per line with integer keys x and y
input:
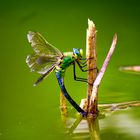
{"x": 102, "y": 71}
{"x": 92, "y": 60}
{"x": 106, "y": 61}
{"x": 116, "y": 106}
{"x": 63, "y": 107}
{"x": 93, "y": 79}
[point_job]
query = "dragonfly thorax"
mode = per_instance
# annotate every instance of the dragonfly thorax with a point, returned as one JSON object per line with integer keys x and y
{"x": 64, "y": 64}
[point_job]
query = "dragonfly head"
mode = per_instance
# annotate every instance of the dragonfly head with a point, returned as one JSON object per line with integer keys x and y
{"x": 78, "y": 53}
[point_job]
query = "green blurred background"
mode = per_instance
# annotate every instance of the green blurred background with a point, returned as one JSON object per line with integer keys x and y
{"x": 32, "y": 113}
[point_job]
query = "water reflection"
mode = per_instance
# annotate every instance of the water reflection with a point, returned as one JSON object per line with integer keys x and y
{"x": 121, "y": 123}
{"x": 84, "y": 129}
{"x": 115, "y": 121}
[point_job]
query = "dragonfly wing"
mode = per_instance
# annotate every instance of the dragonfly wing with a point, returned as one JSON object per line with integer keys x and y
{"x": 41, "y": 64}
{"x": 41, "y": 46}
{"x": 44, "y": 75}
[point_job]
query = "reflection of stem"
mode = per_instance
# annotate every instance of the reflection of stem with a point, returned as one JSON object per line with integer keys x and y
{"x": 92, "y": 124}
{"x": 75, "y": 124}
{"x": 79, "y": 128}
{"x": 94, "y": 129}
{"x": 63, "y": 108}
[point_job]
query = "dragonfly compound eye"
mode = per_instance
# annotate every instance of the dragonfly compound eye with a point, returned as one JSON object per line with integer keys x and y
{"x": 81, "y": 52}
{"x": 78, "y": 52}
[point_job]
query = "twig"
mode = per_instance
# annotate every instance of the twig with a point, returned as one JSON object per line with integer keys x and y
{"x": 92, "y": 59}
{"x": 102, "y": 71}
{"x": 130, "y": 68}
{"x": 63, "y": 108}
{"x": 106, "y": 61}
{"x": 122, "y": 105}
{"x": 75, "y": 124}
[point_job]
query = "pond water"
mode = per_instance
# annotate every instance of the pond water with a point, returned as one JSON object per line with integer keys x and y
{"x": 33, "y": 113}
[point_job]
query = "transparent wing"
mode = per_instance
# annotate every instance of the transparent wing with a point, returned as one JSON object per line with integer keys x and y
{"x": 40, "y": 64}
{"x": 41, "y": 46}
{"x": 44, "y": 75}
{"x": 46, "y": 56}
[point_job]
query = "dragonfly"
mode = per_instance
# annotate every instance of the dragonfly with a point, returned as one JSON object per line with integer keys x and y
{"x": 47, "y": 58}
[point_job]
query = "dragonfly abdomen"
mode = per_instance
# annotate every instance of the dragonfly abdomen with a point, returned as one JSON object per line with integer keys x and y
{"x": 68, "y": 97}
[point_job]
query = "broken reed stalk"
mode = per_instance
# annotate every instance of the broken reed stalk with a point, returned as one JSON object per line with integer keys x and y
{"x": 101, "y": 73}
{"x": 63, "y": 108}
{"x": 93, "y": 79}
{"x": 91, "y": 63}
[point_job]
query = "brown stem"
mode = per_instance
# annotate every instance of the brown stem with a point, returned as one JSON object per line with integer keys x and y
{"x": 92, "y": 62}
{"x": 97, "y": 81}
{"x": 63, "y": 108}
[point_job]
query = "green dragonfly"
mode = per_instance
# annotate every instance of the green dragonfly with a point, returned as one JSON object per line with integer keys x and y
{"x": 47, "y": 58}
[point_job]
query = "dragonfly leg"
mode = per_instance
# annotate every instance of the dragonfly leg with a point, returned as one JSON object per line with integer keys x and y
{"x": 77, "y": 78}
{"x": 82, "y": 80}
{"x": 82, "y": 66}
{"x": 85, "y": 61}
